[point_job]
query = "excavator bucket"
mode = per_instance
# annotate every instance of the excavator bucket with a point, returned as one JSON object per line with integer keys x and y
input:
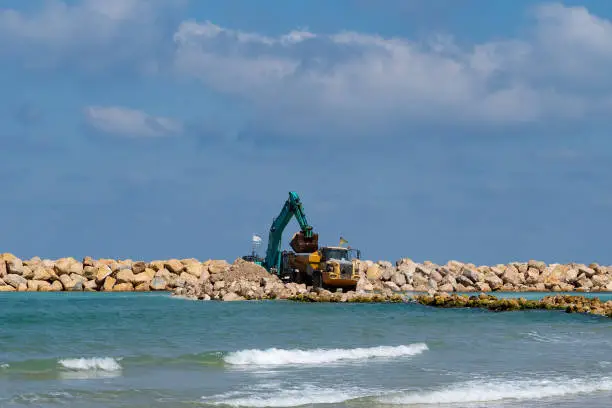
{"x": 301, "y": 244}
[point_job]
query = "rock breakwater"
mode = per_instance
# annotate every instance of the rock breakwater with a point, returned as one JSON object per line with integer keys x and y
{"x": 220, "y": 280}
{"x": 571, "y": 304}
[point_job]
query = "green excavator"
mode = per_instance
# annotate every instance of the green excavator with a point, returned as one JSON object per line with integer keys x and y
{"x": 323, "y": 267}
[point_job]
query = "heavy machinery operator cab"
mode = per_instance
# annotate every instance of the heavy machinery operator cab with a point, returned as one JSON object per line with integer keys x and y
{"x": 341, "y": 254}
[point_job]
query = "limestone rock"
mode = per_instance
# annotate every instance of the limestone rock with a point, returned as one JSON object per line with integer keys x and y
{"x": 482, "y": 286}
{"x": 142, "y": 287}
{"x": 364, "y": 285}
{"x": 418, "y": 280}
{"x": 15, "y": 280}
{"x": 229, "y": 297}
{"x": 464, "y": 281}
{"x": 33, "y": 285}
{"x": 174, "y": 266}
{"x": 194, "y": 268}
{"x": 158, "y": 283}
{"x": 67, "y": 282}
{"x": 446, "y": 287}
{"x": 587, "y": 271}
{"x": 89, "y": 272}
{"x": 391, "y": 285}
{"x": 436, "y": 276}
{"x": 90, "y": 285}
{"x": 43, "y": 286}
{"x": 511, "y": 276}
{"x": 44, "y": 274}
{"x": 399, "y": 279}
{"x": 7, "y": 288}
{"x": 494, "y": 281}
{"x": 138, "y": 267}
{"x": 143, "y": 277}
{"x": 102, "y": 272}
{"x": 473, "y": 275}
{"x": 373, "y": 272}
{"x": 109, "y": 283}
{"x": 123, "y": 287}
{"x": 125, "y": 276}
{"x": 14, "y": 266}
{"x": 56, "y": 286}
{"x": 600, "y": 280}
{"x": 189, "y": 278}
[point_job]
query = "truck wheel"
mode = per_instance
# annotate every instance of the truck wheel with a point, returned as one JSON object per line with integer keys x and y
{"x": 317, "y": 280}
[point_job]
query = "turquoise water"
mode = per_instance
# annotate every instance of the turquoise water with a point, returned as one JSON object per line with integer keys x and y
{"x": 150, "y": 350}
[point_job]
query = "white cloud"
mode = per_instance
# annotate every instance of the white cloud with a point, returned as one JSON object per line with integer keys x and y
{"x": 91, "y": 33}
{"x": 129, "y": 122}
{"x": 356, "y": 82}
{"x": 345, "y": 82}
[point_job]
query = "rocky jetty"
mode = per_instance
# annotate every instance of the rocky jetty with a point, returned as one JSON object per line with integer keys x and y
{"x": 220, "y": 280}
{"x": 455, "y": 276}
{"x": 571, "y": 304}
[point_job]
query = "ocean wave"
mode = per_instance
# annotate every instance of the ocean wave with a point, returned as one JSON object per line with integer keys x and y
{"x": 91, "y": 364}
{"x": 490, "y": 391}
{"x": 275, "y": 356}
{"x": 304, "y": 395}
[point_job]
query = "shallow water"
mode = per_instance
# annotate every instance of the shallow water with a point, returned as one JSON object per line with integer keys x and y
{"x": 143, "y": 350}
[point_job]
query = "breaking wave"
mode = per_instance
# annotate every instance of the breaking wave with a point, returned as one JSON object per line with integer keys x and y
{"x": 275, "y": 356}
{"x": 305, "y": 395}
{"x": 91, "y": 364}
{"x": 478, "y": 392}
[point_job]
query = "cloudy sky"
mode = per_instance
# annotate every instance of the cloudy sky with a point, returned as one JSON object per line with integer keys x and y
{"x": 435, "y": 130}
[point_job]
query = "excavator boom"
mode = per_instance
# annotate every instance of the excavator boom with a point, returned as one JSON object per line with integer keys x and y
{"x": 304, "y": 241}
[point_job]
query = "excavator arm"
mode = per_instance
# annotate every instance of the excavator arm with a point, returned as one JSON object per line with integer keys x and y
{"x": 305, "y": 241}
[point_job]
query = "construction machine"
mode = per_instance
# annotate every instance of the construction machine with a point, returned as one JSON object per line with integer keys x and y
{"x": 328, "y": 267}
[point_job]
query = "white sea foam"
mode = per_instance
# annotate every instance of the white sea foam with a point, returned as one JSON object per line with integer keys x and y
{"x": 274, "y": 356}
{"x": 91, "y": 364}
{"x": 303, "y": 395}
{"x": 478, "y": 392}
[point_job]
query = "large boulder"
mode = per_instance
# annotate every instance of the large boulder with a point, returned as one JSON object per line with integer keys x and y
{"x": 373, "y": 272}
{"x": 472, "y": 274}
{"x": 15, "y": 280}
{"x": 511, "y": 276}
{"x": 14, "y": 266}
{"x": 174, "y": 266}
{"x": 125, "y": 276}
{"x": 158, "y": 283}
{"x": 102, "y": 272}
{"x": 494, "y": 281}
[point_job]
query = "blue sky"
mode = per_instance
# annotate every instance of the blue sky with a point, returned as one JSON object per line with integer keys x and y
{"x": 473, "y": 130}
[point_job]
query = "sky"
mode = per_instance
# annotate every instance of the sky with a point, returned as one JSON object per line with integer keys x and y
{"x": 435, "y": 130}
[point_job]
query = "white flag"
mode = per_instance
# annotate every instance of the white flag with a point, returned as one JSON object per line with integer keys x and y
{"x": 256, "y": 239}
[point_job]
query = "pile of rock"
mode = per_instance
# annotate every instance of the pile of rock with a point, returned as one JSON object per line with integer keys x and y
{"x": 241, "y": 280}
{"x": 217, "y": 279}
{"x": 69, "y": 274}
{"x": 454, "y": 276}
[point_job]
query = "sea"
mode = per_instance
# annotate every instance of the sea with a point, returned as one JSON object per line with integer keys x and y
{"x": 154, "y": 350}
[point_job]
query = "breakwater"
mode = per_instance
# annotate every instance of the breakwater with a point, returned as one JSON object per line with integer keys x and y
{"x": 220, "y": 280}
